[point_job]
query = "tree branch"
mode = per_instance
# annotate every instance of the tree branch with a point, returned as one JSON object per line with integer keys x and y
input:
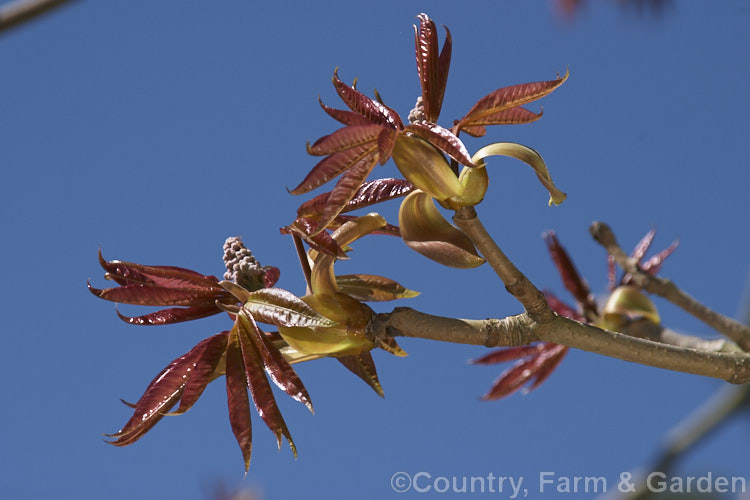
{"x": 521, "y": 330}
{"x": 516, "y": 283}
{"x": 734, "y": 330}
{"x": 646, "y": 329}
{"x": 15, "y": 13}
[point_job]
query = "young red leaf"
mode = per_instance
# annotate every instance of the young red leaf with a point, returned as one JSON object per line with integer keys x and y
{"x": 372, "y": 110}
{"x": 377, "y": 191}
{"x": 442, "y": 139}
{"x": 271, "y": 276}
{"x": 363, "y": 366}
{"x": 653, "y": 265}
{"x": 571, "y": 278}
{"x": 611, "y": 273}
{"x": 278, "y": 368}
{"x": 642, "y": 247}
{"x": 369, "y": 193}
{"x": 160, "y": 396}
{"x": 345, "y": 138}
{"x": 331, "y": 166}
{"x": 237, "y": 399}
{"x": 552, "y": 357}
{"x": 507, "y": 354}
{"x": 512, "y": 116}
{"x": 386, "y": 141}
{"x": 204, "y": 371}
{"x": 431, "y": 68}
{"x": 344, "y": 116}
{"x": 346, "y": 188}
{"x": 322, "y": 241}
{"x": 511, "y": 380}
{"x": 154, "y": 295}
{"x": 507, "y": 98}
{"x": 165, "y": 276}
{"x": 260, "y": 389}
{"x": 172, "y": 315}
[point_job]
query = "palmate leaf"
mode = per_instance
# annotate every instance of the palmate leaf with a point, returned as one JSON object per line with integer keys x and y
{"x": 371, "y": 288}
{"x": 166, "y": 389}
{"x": 431, "y": 68}
{"x": 374, "y": 111}
{"x": 507, "y": 98}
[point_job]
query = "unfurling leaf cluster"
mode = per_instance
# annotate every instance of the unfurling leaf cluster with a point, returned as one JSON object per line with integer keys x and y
{"x": 331, "y": 318}
{"x": 425, "y": 153}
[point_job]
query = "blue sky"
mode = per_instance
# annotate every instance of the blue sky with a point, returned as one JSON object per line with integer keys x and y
{"x": 155, "y": 130}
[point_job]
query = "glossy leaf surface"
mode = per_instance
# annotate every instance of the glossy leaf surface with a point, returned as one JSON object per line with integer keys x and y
{"x": 278, "y": 307}
{"x": 508, "y": 98}
{"x": 425, "y": 166}
{"x": 443, "y": 139}
{"x": 432, "y": 67}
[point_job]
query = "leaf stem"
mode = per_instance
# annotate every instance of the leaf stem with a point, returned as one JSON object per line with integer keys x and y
{"x": 516, "y": 283}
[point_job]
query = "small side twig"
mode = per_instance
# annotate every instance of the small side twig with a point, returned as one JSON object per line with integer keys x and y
{"x": 15, "y": 13}
{"x": 725, "y": 325}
